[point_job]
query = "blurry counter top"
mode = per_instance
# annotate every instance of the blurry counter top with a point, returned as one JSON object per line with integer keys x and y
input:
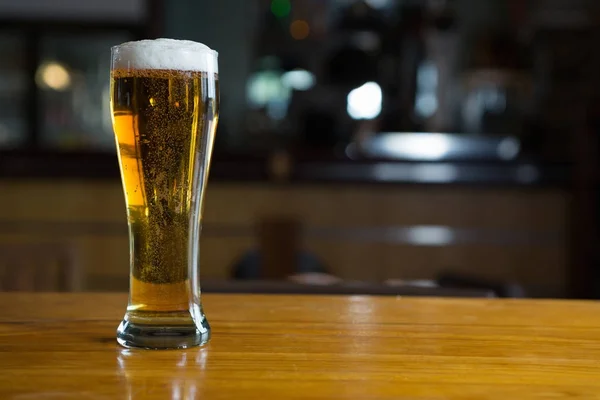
{"x": 306, "y": 347}
{"x": 313, "y": 168}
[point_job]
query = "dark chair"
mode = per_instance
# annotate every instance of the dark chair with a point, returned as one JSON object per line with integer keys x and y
{"x": 278, "y": 256}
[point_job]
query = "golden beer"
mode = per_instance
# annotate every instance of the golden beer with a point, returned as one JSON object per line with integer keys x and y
{"x": 164, "y": 121}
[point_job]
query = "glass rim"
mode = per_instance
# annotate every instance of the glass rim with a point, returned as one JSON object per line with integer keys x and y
{"x": 206, "y": 50}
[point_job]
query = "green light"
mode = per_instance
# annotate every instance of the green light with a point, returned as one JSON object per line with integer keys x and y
{"x": 281, "y": 8}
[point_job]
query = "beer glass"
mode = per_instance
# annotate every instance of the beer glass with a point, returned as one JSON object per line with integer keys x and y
{"x": 164, "y": 104}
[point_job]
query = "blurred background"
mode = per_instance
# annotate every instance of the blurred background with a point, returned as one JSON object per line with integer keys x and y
{"x": 378, "y": 146}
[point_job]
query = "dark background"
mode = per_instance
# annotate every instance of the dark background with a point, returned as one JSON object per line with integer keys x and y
{"x": 465, "y": 113}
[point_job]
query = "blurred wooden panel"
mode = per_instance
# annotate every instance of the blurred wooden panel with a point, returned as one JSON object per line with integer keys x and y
{"x": 107, "y": 283}
{"x": 217, "y": 255}
{"x": 337, "y": 206}
{"x": 537, "y": 210}
{"x": 242, "y": 204}
{"x": 96, "y": 255}
{"x": 64, "y": 201}
{"x": 39, "y": 266}
{"x": 319, "y": 206}
{"x": 349, "y": 260}
{"x": 541, "y": 266}
{"x": 105, "y": 255}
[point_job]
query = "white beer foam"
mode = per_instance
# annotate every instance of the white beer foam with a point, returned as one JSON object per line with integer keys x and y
{"x": 183, "y": 55}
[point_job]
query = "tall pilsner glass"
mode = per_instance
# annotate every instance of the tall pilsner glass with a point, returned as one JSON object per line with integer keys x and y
{"x": 164, "y": 104}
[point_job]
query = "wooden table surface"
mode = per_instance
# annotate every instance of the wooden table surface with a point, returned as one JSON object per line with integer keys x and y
{"x": 62, "y": 346}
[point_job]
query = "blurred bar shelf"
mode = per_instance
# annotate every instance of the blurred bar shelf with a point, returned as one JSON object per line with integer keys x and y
{"x": 302, "y": 168}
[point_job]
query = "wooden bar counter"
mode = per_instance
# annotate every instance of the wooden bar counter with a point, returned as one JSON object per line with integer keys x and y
{"x": 62, "y": 346}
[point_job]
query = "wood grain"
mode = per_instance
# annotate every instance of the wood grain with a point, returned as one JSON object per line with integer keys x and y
{"x": 61, "y": 346}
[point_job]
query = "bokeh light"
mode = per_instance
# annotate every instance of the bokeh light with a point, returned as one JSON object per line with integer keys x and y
{"x": 299, "y": 29}
{"x": 53, "y": 75}
{"x": 365, "y": 102}
{"x": 281, "y": 8}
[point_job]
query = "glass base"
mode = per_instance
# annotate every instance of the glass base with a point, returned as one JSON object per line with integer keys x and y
{"x": 163, "y": 334}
